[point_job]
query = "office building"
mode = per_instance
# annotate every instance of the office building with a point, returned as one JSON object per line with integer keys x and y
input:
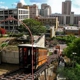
{"x": 49, "y": 21}
{"x": 45, "y": 10}
{"x": 66, "y": 7}
{"x": 71, "y": 19}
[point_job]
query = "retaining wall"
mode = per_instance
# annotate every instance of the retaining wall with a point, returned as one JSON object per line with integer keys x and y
{"x": 10, "y": 57}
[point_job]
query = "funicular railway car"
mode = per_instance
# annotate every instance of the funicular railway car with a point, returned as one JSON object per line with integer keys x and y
{"x": 25, "y": 56}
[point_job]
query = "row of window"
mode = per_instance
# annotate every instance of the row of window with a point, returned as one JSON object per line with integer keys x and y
{"x": 9, "y": 27}
{"x": 23, "y": 16}
{"x": 23, "y": 12}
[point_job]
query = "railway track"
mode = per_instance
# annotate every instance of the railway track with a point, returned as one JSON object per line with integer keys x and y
{"x": 15, "y": 75}
{"x": 21, "y": 75}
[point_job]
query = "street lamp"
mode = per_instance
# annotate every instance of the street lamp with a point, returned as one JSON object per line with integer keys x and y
{"x": 74, "y": 53}
{"x": 12, "y": 18}
{"x": 73, "y": 57}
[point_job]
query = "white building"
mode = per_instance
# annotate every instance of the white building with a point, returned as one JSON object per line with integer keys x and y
{"x": 71, "y": 19}
{"x": 46, "y": 11}
{"x": 18, "y": 13}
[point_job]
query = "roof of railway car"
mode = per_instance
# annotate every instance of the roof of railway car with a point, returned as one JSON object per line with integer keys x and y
{"x": 29, "y": 45}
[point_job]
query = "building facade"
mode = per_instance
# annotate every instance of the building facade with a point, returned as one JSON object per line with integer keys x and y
{"x": 45, "y": 10}
{"x": 68, "y": 30}
{"x": 18, "y": 13}
{"x": 50, "y": 32}
{"x": 49, "y": 21}
{"x": 71, "y": 19}
{"x": 33, "y": 9}
{"x": 66, "y": 7}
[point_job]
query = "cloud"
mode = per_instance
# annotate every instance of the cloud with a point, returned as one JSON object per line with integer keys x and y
{"x": 4, "y": 7}
{"x": 56, "y": 5}
{"x": 23, "y": 2}
{"x": 14, "y": 4}
{"x": 38, "y": 4}
{"x": 1, "y": 5}
{"x": 2, "y": 2}
{"x": 76, "y": 6}
{"x": 76, "y": 10}
{"x": 76, "y": 2}
{"x": 38, "y": 1}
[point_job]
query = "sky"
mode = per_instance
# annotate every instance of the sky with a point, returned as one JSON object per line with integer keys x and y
{"x": 56, "y": 5}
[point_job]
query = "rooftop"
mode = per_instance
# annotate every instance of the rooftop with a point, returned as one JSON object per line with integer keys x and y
{"x": 72, "y": 28}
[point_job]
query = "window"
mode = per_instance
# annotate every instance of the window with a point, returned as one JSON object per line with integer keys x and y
{"x": 28, "y": 52}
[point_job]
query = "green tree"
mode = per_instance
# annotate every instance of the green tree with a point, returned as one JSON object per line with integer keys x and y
{"x": 69, "y": 73}
{"x": 35, "y": 26}
{"x": 69, "y": 39}
{"x": 73, "y": 47}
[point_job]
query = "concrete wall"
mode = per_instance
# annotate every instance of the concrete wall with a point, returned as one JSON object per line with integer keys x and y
{"x": 41, "y": 42}
{"x": 52, "y": 32}
{"x": 57, "y": 23}
{"x": 72, "y": 18}
{"x": 10, "y": 57}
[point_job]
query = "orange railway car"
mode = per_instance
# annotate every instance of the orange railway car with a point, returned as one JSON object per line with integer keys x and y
{"x": 25, "y": 56}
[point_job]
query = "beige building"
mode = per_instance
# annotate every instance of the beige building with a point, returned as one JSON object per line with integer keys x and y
{"x": 72, "y": 30}
{"x": 49, "y": 21}
{"x": 50, "y": 32}
{"x": 33, "y": 9}
{"x": 66, "y": 7}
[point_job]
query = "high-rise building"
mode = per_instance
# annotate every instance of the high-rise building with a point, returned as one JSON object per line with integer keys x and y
{"x": 34, "y": 11}
{"x": 45, "y": 10}
{"x": 43, "y": 6}
{"x": 66, "y": 7}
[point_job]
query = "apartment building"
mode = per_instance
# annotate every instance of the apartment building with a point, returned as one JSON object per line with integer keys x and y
{"x": 71, "y": 19}
{"x": 63, "y": 19}
{"x": 33, "y": 9}
{"x": 48, "y": 21}
{"x": 45, "y": 10}
{"x": 17, "y": 13}
{"x": 66, "y": 7}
